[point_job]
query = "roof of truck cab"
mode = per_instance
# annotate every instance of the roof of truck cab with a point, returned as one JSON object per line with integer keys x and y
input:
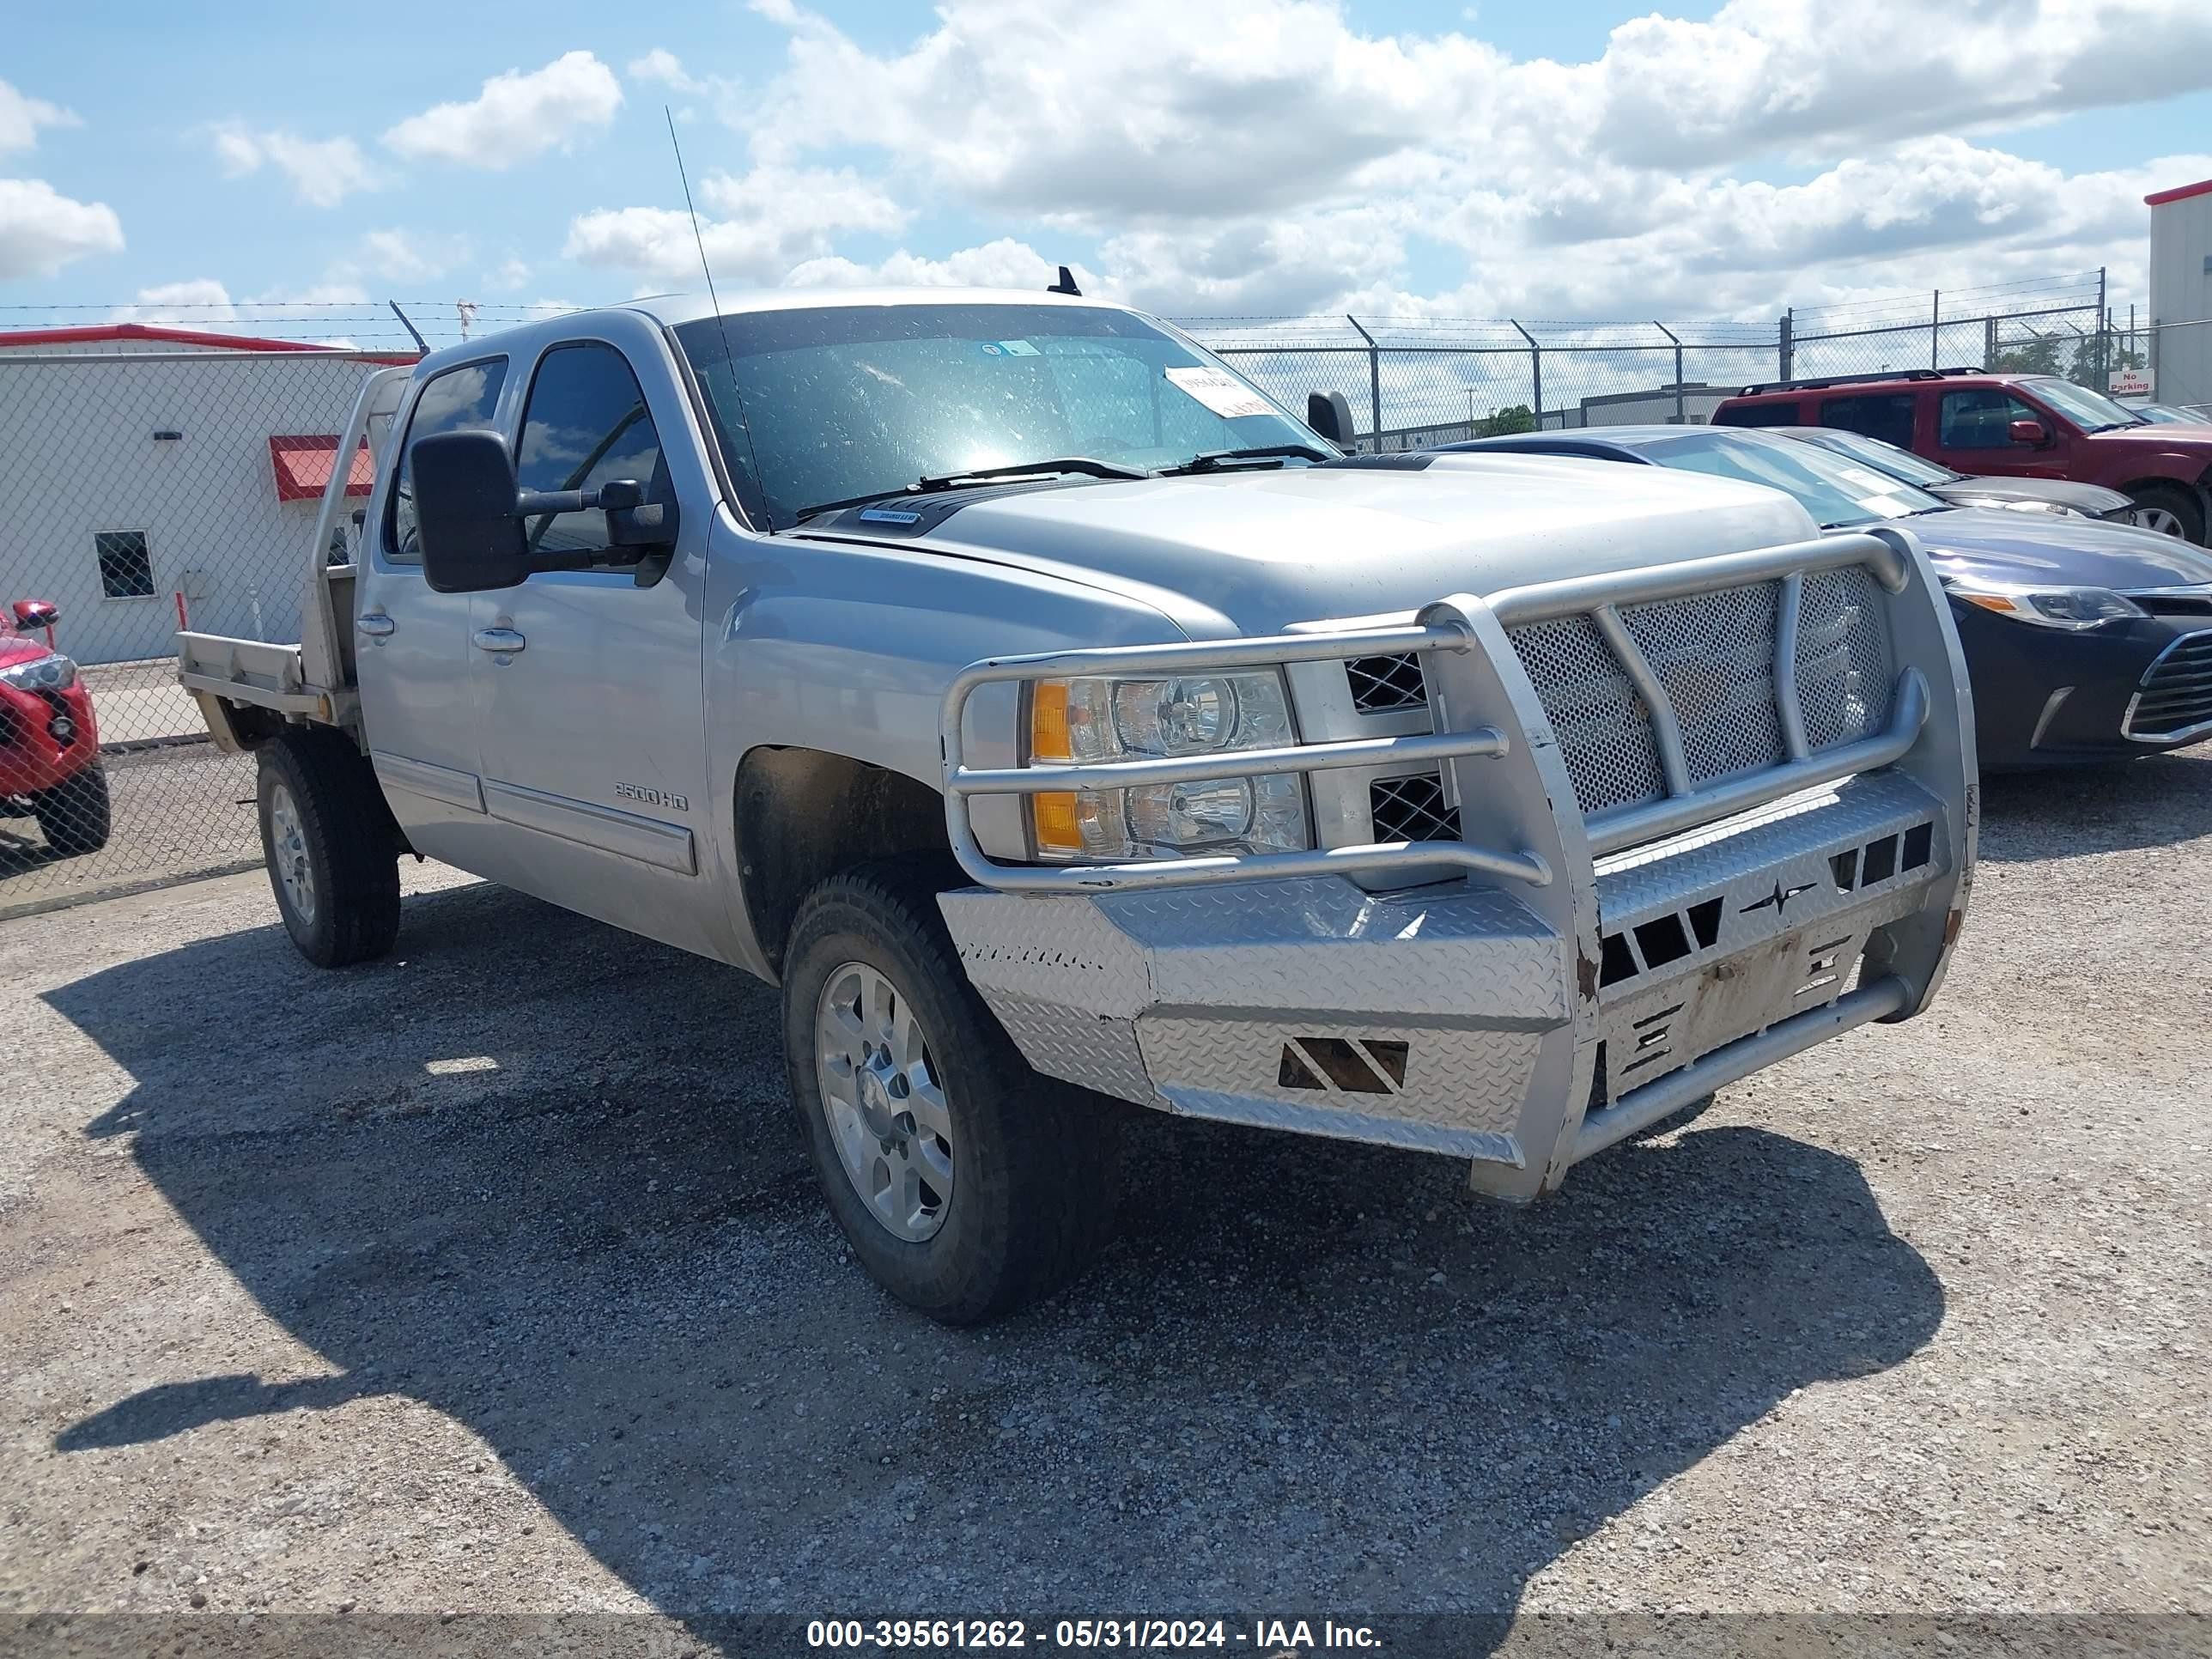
{"x": 690, "y": 307}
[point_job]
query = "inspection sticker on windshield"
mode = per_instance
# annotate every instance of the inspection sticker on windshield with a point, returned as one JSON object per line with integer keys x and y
{"x": 1218, "y": 391}
{"x": 1010, "y": 348}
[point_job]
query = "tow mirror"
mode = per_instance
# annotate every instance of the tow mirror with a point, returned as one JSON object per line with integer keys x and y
{"x": 35, "y": 613}
{"x": 1330, "y": 415}
{"x": 466, "y": 513}
{"x": 2029, "y": 432}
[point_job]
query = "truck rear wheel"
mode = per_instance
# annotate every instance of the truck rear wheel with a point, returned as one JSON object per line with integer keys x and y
{"x": 2172, "y": 508}
{"x": 326, "y": 837}
{"x": 966, "y": 1183}
{"x": 74, "y": 816}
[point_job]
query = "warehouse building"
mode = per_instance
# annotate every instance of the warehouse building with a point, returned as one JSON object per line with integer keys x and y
{"x": 158, "y": 474}
{"x": 2181, "y": 294}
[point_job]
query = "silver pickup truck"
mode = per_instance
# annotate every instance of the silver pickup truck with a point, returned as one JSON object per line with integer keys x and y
{"x": 1052, "y": 715}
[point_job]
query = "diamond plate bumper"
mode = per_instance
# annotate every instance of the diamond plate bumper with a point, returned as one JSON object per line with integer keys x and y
{"x": 1455, "y": 1018}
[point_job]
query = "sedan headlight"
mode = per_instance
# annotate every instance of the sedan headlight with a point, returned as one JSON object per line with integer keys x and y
{"x": 52, "y": 672}
{"x": 1103, "y": 719}
{"x": 2048, "y": 607}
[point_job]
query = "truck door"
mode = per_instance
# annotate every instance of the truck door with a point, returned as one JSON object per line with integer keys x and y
{"x": 1974, "y": 433}
{"x": 592, "y": 734}
{"x": 412, "y": 659}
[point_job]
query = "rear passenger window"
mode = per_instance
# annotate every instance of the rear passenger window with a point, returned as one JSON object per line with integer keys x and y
{"x": 1775, "y": 413}
{"x": 1980, "y": 418}
{"x": 586, "y": 425}
{"x": 1888, "y": 417}
{"x": 458, "y": 400}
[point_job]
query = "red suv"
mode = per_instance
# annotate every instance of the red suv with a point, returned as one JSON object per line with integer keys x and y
{"x": 2021, "y": 426}
{"x": 49, "y": 745}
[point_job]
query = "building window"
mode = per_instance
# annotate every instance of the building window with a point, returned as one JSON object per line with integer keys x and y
{"x": 126, "y": 569}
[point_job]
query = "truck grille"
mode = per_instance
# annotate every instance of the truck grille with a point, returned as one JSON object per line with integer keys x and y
{"x": 2176, "y": 698}
{"x": 1714, "y": 655}
{"x": 1412, "y": 809}
{"x": 1380, "y": 684}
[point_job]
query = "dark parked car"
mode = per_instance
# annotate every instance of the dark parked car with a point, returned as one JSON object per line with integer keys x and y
{"x": 1964, "y": 489}
{"x": 2084, "y": 642}
{"x": 2020, "y": 426}
{"x": 2169, "y": 415}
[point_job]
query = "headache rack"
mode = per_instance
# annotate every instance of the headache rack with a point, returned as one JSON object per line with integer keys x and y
{"x": 1472, "y": 657}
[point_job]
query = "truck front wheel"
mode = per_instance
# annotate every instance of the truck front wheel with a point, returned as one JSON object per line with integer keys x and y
{"x": 965, "y": 1182}
{"x": 326, "y": 837}
{"x": 74, "y": 815}
{"x": 2173, "y": 508}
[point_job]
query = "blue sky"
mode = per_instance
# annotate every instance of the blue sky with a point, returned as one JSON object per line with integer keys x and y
{"x": 1245, "y": 157}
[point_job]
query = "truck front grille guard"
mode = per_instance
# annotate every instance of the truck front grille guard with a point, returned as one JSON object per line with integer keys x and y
{"x": 1440, "y": 627}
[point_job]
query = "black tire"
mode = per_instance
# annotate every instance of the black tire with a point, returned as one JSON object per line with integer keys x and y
{"x": 1033, "y": 1160}
{"x": 75, "y": 815}
{"x": 2184, "y": 503}
{"x": 349, "y": 911}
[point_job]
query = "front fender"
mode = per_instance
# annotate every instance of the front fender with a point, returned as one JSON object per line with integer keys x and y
{"x": 847, "y": 647}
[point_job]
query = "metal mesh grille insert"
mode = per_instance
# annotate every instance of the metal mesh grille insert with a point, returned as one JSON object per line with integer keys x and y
{"x": 1714, "y": 654}
{"x": 1381, "y": 683}
{"x": 1412, "y": 809}
{"x": 1843, "y": 675}
{"x": 1603, "y": 727}
{"x": 2177, "y": 693}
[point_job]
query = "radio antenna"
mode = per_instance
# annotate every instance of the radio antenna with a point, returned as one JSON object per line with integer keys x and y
{"x": 721, "y": 324}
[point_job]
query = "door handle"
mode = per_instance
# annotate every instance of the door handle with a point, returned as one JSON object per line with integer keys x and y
{"x": 502, "y": 642}
{"x": 376, "y": 625}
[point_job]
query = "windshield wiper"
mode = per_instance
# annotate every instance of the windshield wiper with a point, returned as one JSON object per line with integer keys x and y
{"x": 928, "y": 485}
{"x": 1097, "y": 469}
{"x": 1208, "y": 460}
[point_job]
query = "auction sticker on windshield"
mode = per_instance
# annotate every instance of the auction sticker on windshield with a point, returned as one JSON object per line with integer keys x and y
{"x": 1218, "y": 391}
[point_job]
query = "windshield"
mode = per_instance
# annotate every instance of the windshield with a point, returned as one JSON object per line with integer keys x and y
{"x": 2092, "y": 411}
{"x": 832, "y": 403}
{"x": 1898, "y": 463}
{"x": 1834, "y": 489}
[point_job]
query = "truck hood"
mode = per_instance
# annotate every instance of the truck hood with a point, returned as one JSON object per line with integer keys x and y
{"x": 1254, "y": 552}
{"x": 2027, "y": 547}
{"x": 2187, "y": 447}
{"x": 20, "y": 647}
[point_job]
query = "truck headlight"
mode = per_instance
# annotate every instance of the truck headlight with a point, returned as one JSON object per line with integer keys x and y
{"x": 52, "y": 672}
{"x": 2048, "y": 607}
{"x": 1102, "y": 720}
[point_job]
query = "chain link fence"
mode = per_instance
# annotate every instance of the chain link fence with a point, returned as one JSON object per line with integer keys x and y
{"x": 157, "y": 483}
{"x": 148, "y": 491}
{"x": 1415, "y": 382}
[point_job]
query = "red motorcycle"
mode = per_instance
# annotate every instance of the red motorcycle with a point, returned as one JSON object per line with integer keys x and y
{"x": 49, "y": 742}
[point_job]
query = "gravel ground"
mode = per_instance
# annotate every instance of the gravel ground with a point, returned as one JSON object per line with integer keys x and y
{"x": 492, "y": 1281}
{"x": 180, "y": 809}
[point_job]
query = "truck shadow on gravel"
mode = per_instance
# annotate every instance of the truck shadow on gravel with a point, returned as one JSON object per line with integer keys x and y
{"x": 541, "y": 1176}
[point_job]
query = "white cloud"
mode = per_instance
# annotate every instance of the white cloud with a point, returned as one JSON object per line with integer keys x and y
{"x": 322, "y": 172}
{"x": 511, "y": 275}
{"x": 21, "y": 116}
{"x": 665, "y": 67}
{"x": 41, "y": 230}
{"x": 199, "y": 302}
{"x": 1003, "y": 263}
{"x": 770, "y": 219}
{"x": 517, "y": 115}
{"x": 1266, "y": 155}
{"x": 409, "y": 256}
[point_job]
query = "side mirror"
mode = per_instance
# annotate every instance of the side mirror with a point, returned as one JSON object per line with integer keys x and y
{"x": 2028, "y": 432}
{"x": 35, "y": 613}
{"x": 465, "y": 512}
{"x": 1330, "y": 415}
